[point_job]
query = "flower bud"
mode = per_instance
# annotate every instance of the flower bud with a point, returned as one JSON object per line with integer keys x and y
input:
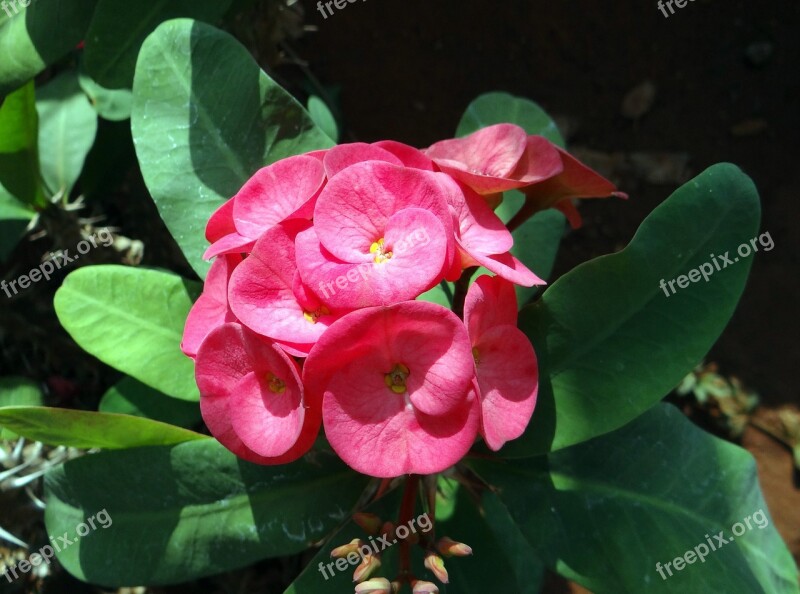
{"x": 369, "y": 523}
{"x": 369, "y": 565}
{"x": 374, "y": 586}
{"x": 450, "y": 548}
{"x": 421, "y": 587}
{"x": 387, "y": 530}
{"x": 436, "y": 565}
{"x": 344, "y": 550}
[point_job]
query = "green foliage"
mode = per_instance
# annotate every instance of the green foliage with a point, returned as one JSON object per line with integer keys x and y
{"x": 205, "y": 119}
{"x": 84, "y": 429}
{"x": 131, "y": 397}
{"x": 18, "y": 391}
{"x": 132, "y": 319}
{"x": 67, "y": 129}
{"x": 38, "y": 36}
{"x": 603, "y": 513}
{"x": 199, "y": 509}
{"x": 610, "y": 343}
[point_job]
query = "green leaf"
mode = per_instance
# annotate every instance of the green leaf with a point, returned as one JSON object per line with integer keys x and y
{"x": 67, "y": 129}
{"x": 205, "y": 118}
{"x": 132, "y": 319}
{"x": 323, "y": 117}
{"x": 110, "y": 104}
{"x": 501, "y": 561}
{"x": 203, "y": 511}
{"x": 500, "y": 108}
{"x": 604, "y": 513}
{"x": 131, "y": 397}
{"x": 86, "y": 430}
{"x": 14, "y": 219}
{"x": 610, "y": 342}
{"x": 39, "y": 35}
{"x": 18, "y": 391}
{"x": 19, "y": 161}
{"x": 119, "y": 28}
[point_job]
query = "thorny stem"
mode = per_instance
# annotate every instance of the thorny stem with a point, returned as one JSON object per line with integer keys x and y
{"x": 460, "y": 294}
{"x": 406, "y": 511}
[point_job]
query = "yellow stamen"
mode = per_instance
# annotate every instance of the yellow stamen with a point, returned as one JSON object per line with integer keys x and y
{"x": 396, "y": 378}
{"x": 276, "y": 384}
{"x": 314, "y": 316}
{"x": 380, "y": 254}
{"x": 476, "y": 355}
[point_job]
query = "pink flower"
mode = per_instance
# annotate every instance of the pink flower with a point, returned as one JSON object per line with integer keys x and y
{"x": 251, "y": 397}
{"x": 211, "y": 309}
{"x": 287, "y": 189}
{"x": 505, "y": 362}
{"x": 497, "y": 158}
{"x": 398, "y": 387}
{"x": 382, "y": 234}
{"x": 267, "y": 295}
{"x": 483, "y": 239}
{"x": 575, "y": 181}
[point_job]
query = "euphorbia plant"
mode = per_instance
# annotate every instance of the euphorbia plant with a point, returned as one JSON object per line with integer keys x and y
{"x": 341, "y": 291}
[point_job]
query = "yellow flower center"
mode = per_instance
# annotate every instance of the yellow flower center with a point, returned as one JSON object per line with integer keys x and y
{"x": 276, "y": 385}
{"x": 396, "y": 378}
{"x": 314, "y": 316}
{"x": 381, "y": 255}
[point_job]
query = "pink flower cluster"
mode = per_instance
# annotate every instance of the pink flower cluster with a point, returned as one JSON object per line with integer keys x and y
{"x": 309, "y": 314}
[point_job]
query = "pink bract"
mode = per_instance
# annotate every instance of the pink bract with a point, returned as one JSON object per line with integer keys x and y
{"x": 505, "y": 362}
{"x": 211, "y": 309}
{"x": 382, "y": 234}
{"x": 252, "y": 399}
{"x": 267, "y": 296}
{"x": 398, "y": 389}
{"x": 497, "y": 158}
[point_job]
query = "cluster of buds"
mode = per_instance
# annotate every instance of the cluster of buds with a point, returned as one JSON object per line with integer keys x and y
{"x": 381, "y": 535}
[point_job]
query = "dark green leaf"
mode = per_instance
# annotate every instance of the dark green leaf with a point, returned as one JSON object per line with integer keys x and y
{"x": 191, "y": 510}
{"x": 39, "y": 35}
{"x": 610, "y": 342}
{"x": 119, "y": 28}
{"x": 131, "y": 397}
{"x": 606, "y": 512}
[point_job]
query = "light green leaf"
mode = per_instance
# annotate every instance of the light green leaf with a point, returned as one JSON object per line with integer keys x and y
{"x": 205, "y": 118}
{"x": 67, "y": 129}
{"x": 132, "y": 319}
{"x": 18, "y": 391}
{"x": 37, "y": 36}
{"x": 86, "y": 430}
{"x": 203, "y": 511}
{"x": 19, "y": 161}
{"x": 606, "y": 512}
{"x": 610, "y": 342}
{"x": 110, "y": 104}
{"x": 131, "y": 397}
{"x": 501, "y": 108}
{"x": 323, "y": 117}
